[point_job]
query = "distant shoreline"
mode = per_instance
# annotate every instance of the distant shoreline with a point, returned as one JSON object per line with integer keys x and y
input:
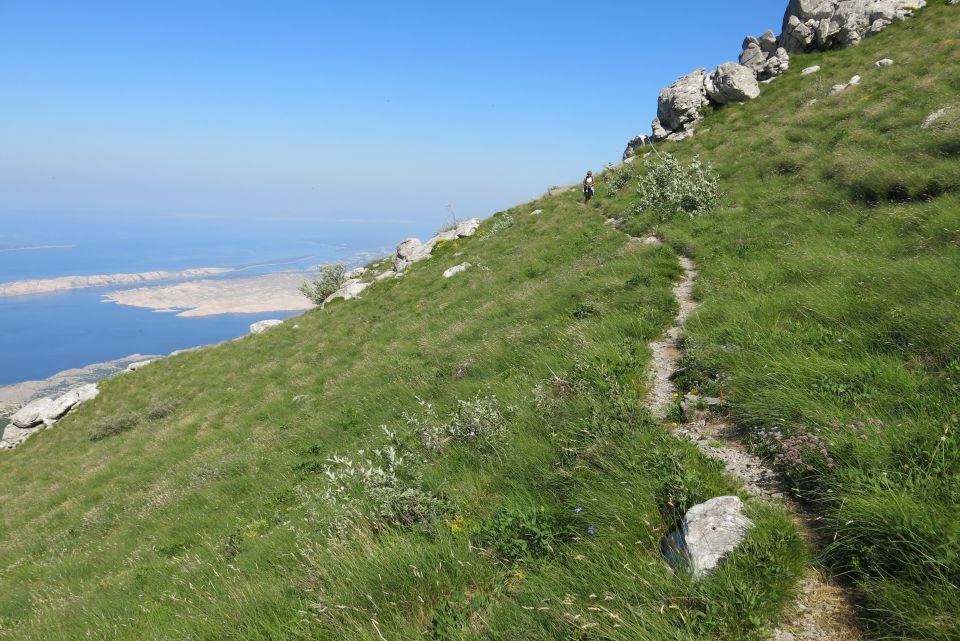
{"x": 49, "y": 285}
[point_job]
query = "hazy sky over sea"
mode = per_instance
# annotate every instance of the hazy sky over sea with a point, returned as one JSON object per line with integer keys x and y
{"x": 349, "y": 110}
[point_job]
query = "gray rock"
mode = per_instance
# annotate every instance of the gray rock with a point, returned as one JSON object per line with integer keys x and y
{"x": 775, "y": 65}
{"x": 636, "y": 143}
{"x": 681, "y": 103}
{"x": 709, "y": 532}
{"x": 385, "y": 275}
{"x": 132, "y": 367}
{"x": 884, "y": 62}
{"x": 535, "y": 212}
{"x": 809, "y": 70}
{"x": 13, "y": 436}
{"x": 356, "y": 272}
{"x": 456, "y": 269}
{"x": 261, "y": 326}
{"x": 934, "y": 117}
{"x": 731, "y": 82}
{"x": 753, "y": 57}
{"x": 36, "y": 413}
{"x": 350, "y": 290}
{"x": 827, "y": 24}
{"x": 410, "y": 251}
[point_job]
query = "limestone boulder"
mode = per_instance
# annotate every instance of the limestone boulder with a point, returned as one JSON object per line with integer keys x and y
{"x": 810, "y": 25}
{"x": 681, "y": 104}
{"x": 731, "y": 82}
{"x": 456, "y": 269}
{"x": 36, "y": 413}
{"x": 261, "y": 326}
{"x": 635, "y": 143}
{"x": 709, "y": 532}
{"x": 350, "y": 290}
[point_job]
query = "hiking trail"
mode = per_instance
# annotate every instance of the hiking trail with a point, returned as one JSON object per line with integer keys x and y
{"x": 821, "y": 611}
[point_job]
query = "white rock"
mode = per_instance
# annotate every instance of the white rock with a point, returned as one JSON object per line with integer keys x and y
{"x": 854, "y": 81}
{"x": 680, "y": 105}
{"x": 835, "y": 89}
{"x": 809, "y": 70}
{"x": 456, "y": 269}
{"x": 350, "y": 290}
{"x": 13, "y": 436}
{"x": 356, "y": 272}
{"x": 536, "y": 212}
{"x": 934, "y": 117}
{"x": 468, "y": 228}
{"x": 387, "y": 274}
{"x": 731, "y": 82}
{"x": 261, "y": 326}
{"x": 87, "y": 392}
{"x": 826, "y": 24}
{"x": 132, "y": 367}
{"x": 35, "y": 413}
{"x": 709, "y": 532}
{"x": 884, "y": 62}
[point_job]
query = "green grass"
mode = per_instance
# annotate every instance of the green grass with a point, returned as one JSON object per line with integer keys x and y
{"x": 191, "y": 500}
{"x": 196, "y": 498}
{"x": 830, "y": 296}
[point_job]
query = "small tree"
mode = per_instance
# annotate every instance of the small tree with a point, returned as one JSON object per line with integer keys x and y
{"x": 670, "y": 187}
{"x": 331, "y": 278}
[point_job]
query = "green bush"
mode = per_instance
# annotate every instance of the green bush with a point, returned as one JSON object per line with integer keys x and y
{"x": 331, "y": 278}
{"x": 670, "y": 187}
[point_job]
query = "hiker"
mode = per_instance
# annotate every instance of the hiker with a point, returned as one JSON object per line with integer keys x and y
{"x": 588, "y": 187}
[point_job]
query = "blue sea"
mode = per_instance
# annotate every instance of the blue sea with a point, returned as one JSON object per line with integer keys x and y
{"x": 41, "y": 335}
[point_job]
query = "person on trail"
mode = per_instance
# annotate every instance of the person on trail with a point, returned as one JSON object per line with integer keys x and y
{"x": 588, "y": 187}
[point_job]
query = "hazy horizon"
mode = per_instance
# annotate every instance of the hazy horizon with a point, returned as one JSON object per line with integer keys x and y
{"x": 305, "y": 111}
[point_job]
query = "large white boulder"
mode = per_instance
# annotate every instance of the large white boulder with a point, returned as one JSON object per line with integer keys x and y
{"x": 731, "y": 82}
{"x": 827, "y": 24}
{"x": 350, "y": 290}
{"x": 709, "y": 532}
{"x": 261, "y": 326}
{"x": 13, "y": 436}
{"x": 35, "y": 413}
{"x": 680, "y": 105}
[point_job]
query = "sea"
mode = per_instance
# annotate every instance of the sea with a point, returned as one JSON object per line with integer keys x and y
{"x": 43, "y": 334}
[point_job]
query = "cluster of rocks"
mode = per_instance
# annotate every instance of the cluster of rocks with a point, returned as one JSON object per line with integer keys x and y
{"x": 43, "y": 413}
{"x": 808, "y": 25}
{"x": 819, "y": 25}
{"x": 408, "y": 252}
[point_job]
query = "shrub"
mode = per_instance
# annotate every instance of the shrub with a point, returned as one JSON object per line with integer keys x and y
{"x": 670, "y": 187}
{"x": 501, "y": 222}
{"x": 476, "y": 421}
{"x": 113, "y": 425}
{"x": 386, "y": 482}
{"x": 331, "y": 278}
{"x": 618, "y": 177}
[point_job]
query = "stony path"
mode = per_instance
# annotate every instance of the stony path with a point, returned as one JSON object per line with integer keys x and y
{"x": 821, "y": 611}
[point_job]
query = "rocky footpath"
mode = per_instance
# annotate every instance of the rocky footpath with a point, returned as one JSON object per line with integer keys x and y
{"x": 808, "y": 25}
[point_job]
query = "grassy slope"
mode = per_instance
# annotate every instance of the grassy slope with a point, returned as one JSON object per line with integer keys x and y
{"x": 830, "y": 291}
{"x": 211, "y": 520}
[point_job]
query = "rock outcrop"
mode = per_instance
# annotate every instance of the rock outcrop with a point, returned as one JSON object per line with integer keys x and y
{"x": 456, "y": 269}
{"x": 808, "y": 25}
{"x": 635, "y": 143}
{"x": 42, "y": 413}
{"x": 680, "y": 106}
{"x": 818, "y": 25}
{"x": 261, "y": 326}
{"x": 731, "y": 82}
{"x": 709, "y": 532}
{"x": 348, "y": 291}
{"x": 412, "y": 250}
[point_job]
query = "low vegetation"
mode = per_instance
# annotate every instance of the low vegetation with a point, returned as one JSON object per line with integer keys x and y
{"x": 332, "y": 277}
{"x": 470, "y": 458}
{"x": 830, "y": 317}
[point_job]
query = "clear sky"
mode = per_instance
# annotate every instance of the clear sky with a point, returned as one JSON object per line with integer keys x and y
{"x": 347, "y": 110}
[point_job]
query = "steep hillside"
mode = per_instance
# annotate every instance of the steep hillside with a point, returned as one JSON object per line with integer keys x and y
{"x": 830, "y": 304}
{"x": 522, "y": 491}
{"x": 470, "y": 457}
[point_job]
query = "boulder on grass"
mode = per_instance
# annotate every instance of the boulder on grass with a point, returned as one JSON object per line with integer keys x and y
{"x": 731, "y": 82}
{"x": 709, "y": 532}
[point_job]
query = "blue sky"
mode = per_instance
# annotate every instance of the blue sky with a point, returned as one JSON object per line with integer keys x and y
{"x": 353, "y": 110}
